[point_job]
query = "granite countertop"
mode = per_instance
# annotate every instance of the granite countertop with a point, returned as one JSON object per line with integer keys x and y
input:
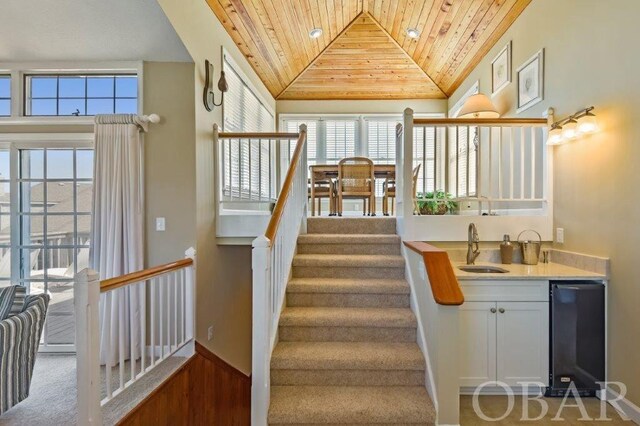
{"x": 526, "y": 272}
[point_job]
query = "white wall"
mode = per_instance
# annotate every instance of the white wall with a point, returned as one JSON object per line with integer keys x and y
{"x": 223, "y": 273}
{"x": 590, "y": 59}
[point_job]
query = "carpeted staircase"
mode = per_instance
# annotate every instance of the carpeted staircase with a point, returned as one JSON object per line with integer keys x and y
{"x": 347, "y": 351}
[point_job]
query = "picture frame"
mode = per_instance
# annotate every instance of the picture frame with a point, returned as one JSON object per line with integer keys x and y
{"x": 501, "y": 70}
{"x": 530, "y": 79}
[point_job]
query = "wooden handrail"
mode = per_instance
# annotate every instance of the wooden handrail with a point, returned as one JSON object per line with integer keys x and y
{"x": 134, "y": 277}
{"x": 286, "y": 186}
{"x": 274, "y": 135}
{"x": 481, "y": 122}
{"x": 444, "y": 284}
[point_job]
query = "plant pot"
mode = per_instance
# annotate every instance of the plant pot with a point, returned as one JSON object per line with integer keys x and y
{"x": 429, "y": 210}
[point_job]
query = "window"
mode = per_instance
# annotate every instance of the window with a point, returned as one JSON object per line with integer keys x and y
{"x": 293, "y": 126}
{"x": 45, "y": 227}
{"x": 427, "y": 154}
{"x": 80, "y": 95}
{"x": 340, "y": 140}
{"x": 5, "y": 95}
{"x": 247, "y": 170}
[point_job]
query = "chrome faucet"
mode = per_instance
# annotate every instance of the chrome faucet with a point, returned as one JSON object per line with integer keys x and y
{"x": 473, "y": 250}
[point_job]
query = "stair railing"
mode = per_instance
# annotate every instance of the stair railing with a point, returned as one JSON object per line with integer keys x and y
{"x": 272, "y": 259}
{"x": 166, "y": 294}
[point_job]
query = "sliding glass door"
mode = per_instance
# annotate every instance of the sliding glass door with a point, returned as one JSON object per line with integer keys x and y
{"x": 46, "y": 218}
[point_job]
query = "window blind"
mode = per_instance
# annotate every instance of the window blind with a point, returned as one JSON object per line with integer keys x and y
{"x": 247, "y": 163}
{"x": 424, "y": 153}
{"x": 340, "y": 139}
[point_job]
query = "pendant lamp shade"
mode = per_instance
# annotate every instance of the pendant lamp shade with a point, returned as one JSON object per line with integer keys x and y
{"x": 478, "y": 106}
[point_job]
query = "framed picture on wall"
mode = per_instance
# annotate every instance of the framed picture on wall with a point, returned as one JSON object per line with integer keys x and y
{"x": 530, "y": 77}
{"x": 501, "y": 70}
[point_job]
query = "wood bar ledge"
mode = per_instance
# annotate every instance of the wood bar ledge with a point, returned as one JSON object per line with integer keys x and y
{"x": 443, "y": 281}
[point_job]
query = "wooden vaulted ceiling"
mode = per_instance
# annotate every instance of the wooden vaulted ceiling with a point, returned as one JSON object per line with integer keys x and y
{"x": 364, "y": 51}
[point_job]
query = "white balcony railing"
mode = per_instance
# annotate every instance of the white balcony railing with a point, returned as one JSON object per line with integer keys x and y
{"x": 165, "y": 300}
{"x": 272, "y": 258}
{"x": 478, "y": 167}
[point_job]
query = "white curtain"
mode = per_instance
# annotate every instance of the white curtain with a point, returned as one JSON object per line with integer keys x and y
{"x": 117, "y": 230}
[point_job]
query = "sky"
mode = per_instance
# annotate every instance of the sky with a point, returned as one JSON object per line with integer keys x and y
{"x": 66, "y": 95}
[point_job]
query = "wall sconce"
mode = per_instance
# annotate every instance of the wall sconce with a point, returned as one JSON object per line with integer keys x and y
{"x": 208, "y": 96}
{"x": 565, "y": 130}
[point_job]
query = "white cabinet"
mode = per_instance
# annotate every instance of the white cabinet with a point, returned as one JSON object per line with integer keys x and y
{"x": 501, "y": 339}
{"x": 477, "y": 325}
{"x": 522, "y": 341}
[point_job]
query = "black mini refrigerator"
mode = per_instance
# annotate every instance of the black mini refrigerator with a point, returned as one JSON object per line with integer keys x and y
{"x": 577, "y": 346}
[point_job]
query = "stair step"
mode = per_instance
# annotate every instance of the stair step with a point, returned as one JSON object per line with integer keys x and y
{"x": 348, "y": 285}
{"x": 349, "y": 244}
{"x": 351, "y": 317}
{"x": 347, "y": 356}
{"x": 351, "y": 225}
{"x": 347, "y": 325}
{"x": 351, "y": 405}
{"x": 348, "y": 266}
{"x": 348, "y": 293}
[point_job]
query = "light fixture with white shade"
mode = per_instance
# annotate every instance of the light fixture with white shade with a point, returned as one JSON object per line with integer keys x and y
{"x": 555, "y": 136}
{"x": 478, "y": 106}
{"x": 570, "y": 128}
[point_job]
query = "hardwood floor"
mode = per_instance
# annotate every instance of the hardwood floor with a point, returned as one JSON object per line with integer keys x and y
{"x": 205, "y": 391}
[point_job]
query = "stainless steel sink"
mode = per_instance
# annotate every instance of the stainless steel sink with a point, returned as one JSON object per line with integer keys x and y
{"x": 480, "y": 269}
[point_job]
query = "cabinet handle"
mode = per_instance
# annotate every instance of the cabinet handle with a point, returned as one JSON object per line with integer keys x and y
{"x": 493, "y": 310}
{"x": 501, "y": 310}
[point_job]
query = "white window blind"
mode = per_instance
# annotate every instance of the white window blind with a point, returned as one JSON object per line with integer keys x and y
{"x": 463, "y": 161}
{"x": 293, "y": 126}
{"x": 424, "y": 154}
{"x": 247, "y": 163}
{"x": 340, "y": 139}
{"x": 381, "y": 141}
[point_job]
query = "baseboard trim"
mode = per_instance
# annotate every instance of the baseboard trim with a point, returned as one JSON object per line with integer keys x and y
{"x": 629, "y": 409}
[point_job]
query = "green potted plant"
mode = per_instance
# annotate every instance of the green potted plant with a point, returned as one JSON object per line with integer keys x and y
{"x": 435, "y": 203}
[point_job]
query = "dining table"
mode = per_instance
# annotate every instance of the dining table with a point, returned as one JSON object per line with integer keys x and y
{"x": 319, "y": 172}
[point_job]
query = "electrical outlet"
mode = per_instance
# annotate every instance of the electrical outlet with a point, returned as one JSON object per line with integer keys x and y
{"x": 560, "y": 235}
{"x": 210, "y": 333}
{"x": 160, "y": 224}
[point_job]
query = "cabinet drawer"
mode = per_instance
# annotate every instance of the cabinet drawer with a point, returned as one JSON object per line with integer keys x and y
{"x": 506, "y": 290}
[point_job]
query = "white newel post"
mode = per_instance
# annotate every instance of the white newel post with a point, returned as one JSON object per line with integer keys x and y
{"x": 261, "y": 351}
{"x": 190, "y": 296}
{"x": 86, "y": 302}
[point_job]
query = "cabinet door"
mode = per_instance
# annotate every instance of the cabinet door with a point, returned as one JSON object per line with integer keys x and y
{"x": 523, "y": 342}
{"x": 477, "y": 343}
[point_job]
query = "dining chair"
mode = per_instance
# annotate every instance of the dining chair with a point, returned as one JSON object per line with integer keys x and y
{"x": 389, "y": 192}
{"x": 323, "y": 188}
{"x": 356, "y": 180}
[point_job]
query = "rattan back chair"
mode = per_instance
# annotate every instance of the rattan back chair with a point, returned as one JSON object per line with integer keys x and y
{"x": 356, "y": 180}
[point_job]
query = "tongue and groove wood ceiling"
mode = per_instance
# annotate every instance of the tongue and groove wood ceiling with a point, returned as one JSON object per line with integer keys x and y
{"x": 364, "y": 51}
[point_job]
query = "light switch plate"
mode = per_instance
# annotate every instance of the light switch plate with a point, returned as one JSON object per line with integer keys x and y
{"x": 560, "y": 235}
{"x": 160, "y": 224}
{"x": 210, "y": 333}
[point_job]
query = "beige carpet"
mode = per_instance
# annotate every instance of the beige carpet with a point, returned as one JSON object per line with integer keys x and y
{"x": 53, "y": 393}
{"x": 347, "y": 351}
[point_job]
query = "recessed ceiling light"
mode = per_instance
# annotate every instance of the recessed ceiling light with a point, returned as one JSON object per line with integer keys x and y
{"x": 413, "y": 33}
{"x": 315, "y": 33}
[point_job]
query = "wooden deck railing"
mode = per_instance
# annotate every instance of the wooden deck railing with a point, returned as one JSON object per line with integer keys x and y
{"x": 444, "y": 284}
